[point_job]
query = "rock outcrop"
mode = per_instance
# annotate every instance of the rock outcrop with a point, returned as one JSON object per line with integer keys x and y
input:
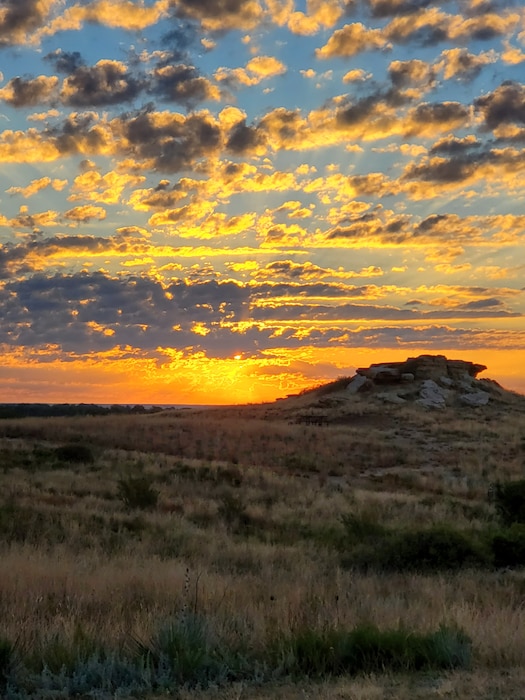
{"x": 422, "y": 367}
{"x": 431, "y": 381}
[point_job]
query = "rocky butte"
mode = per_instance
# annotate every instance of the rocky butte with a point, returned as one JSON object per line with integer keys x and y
{"x": 431, "y": 381}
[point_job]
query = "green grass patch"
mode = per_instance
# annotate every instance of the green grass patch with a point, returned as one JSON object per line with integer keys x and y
{"x": 367, "y": 649}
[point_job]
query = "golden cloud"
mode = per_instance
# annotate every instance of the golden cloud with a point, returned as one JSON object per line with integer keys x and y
{"x": 107, "y": 188}
{"x": 36, "y": 185}
{"x": 351, "y": 40}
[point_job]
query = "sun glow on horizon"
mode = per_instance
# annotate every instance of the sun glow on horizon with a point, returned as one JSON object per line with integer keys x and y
{"x": 201, "y": 380}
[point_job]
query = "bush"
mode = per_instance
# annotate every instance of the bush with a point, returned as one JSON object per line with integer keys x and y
{"x": 508, "y": 547}
{"x": 186, "y": 646}
{"x": 138, "y": 492}
{"x": 20, "y": 523}
{"x": 75, "y": 452}
{"x": 362, "y": 526}
{"x": 61, "y": 654}
{"x": 434, "y": 549}
{"x": 233, "y": 511}
{"x": 366, "y": 649}
{"x": 509, "y": 499}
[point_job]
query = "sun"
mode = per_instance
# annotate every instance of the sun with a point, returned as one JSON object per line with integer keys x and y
{"x": 237, "y": 357}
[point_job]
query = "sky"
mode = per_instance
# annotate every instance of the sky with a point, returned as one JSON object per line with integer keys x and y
{"x": 228, "y": 201}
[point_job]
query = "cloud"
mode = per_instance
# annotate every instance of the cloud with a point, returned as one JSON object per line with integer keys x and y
{"x": 96, "y": 311}
{"x": 123, "y": 14}
{"x": 221, "y": 15}
{"x": 411, "y": 73}
{"x": 92, "y": 186}
{"x": 266, "y": 66}
{"x": 20, "y": 18}
{"x": 105, "y": 83}
{"x": 452, "y": 145}
{"x": 34, "y": 221}
{"x": 257, "y": 69}
{"x": 306, "y": 271}
{"x": 168, "y": 141}
{"x": 85, "y": 213}
{"x": 181, "y": 84}
{"x": 37, "y": 185}
{"x": 504, "y": 105}
{"x": 351, "y": 40}
{"x": 459, "y": 63}
{"x": 65, "y": 61}
{"x": 391, "y": 8}
{"x": 29, "y": 93}
{"x": 431, "y": 118}
{"x": 430, "y": 26}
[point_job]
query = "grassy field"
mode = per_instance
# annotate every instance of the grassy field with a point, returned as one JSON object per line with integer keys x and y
{"x": 311, "y": 548}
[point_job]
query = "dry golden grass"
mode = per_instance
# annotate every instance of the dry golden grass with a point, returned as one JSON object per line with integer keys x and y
{"x": 460, "y": 685}
{"x": 250, "y": 501}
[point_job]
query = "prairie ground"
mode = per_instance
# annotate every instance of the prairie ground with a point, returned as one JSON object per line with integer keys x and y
{"x": 262, "y": 522}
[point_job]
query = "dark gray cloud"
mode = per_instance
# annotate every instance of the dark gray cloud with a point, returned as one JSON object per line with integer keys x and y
{"x": 429, "y": 34}
{"x": 463, "y": 166}
{"x": 439, "y": 113}
{"x": 18, "y": 18}
{"x": 19, "y": 258}
{"x": 364, "y": 226}
{"x": 506, "y": 104}
{"x": 358, "y": 111}
{"x": 173, "y": 145}
{"x": 361, "y": 312}
{"x": 315, "y": 289}
{"x": 29, "y": 92}
{"x": 442, "y": 170}
{"x": 109, "y": 83}
{"x": 243, "y": 139}
{"x": 103, "y": 84}
{"x": 91, "y": 311}
{"x": 67, "y": 309}
{"x": 179, "y": 83}
{"x": 179, "y": 40}
{"x": 65, "y": 61}
{"x": 77, "y": 133}
{"x": 222, "y": 15}
{"x": 491, "y": 303}
{"x": 394, "y": 8}
{"x": 452, "y": 145}
{"x": 434, "y": 222}
{"x": 414, "y": 72}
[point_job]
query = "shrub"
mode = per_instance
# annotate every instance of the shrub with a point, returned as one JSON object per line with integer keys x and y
{"x": 75, "y": 452}
{"x": 509, "y": 499}
{"x": 366, "y": 649}
{"x": 508, "y": 547}
{"x": 186, "y": 646}
{"x": 60, "y": 653}
{"x": 434, "y": 549}
{"x": 362, "y": 526}
{"x": 233, "y": 511}
{"x": 138, "y": 492}
{"x": 100, "y": 677}
{"x": 20, "y": 523}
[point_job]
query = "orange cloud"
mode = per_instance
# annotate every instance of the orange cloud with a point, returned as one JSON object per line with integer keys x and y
{"x": 351, "y": 40}
{"x": 37, "y": 185}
